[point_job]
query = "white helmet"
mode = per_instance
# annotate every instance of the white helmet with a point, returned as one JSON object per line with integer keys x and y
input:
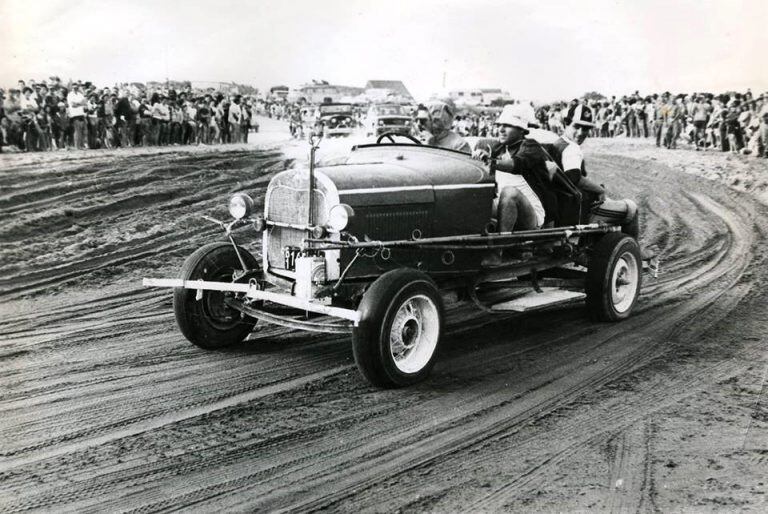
{"x": 528, "y": 114}
{"x": 511, "y": 115}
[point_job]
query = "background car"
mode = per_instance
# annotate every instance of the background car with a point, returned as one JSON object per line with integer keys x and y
{"x": 392, "y": 118}
{"x": 336, "y": 119}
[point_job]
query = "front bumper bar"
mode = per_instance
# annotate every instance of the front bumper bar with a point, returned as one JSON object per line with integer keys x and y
{"x": 252, "y": 291}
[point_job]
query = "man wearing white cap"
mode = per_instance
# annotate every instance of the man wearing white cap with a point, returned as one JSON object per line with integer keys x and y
{"x": 565, "y": 150}
{"x": 524, "y": 201}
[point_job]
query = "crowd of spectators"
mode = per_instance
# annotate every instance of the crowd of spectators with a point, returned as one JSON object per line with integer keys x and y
{"x": 45, "y": 116}
{"x": 733, "y": 122}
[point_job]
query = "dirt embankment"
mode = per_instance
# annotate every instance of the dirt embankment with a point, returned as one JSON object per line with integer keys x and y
{"x": 105, "y": 406}
{"x": 745, "y": 173}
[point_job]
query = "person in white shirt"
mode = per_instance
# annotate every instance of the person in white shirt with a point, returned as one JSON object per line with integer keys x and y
{"x": 76, "y": 103}
{"x": 235, "y": 113}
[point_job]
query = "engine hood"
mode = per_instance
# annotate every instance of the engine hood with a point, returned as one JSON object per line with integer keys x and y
{"x": 404, "y": 166}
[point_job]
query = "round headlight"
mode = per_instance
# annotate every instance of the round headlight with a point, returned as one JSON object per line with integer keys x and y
{"x": 240, "y": 206}
{"x": 338, "y": 217}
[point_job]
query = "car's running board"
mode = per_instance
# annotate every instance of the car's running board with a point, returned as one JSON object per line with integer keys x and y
{"x": 548, "y": 296}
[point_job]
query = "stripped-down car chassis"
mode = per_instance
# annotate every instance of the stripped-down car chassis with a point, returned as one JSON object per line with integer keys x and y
{"x": 396, "y": 314}
{"x": 254, "y": 290}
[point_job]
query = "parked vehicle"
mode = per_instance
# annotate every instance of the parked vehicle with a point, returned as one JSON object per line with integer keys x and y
{"x": 392, "y": 118}
{"x": 336, "y": 119}
{"x": 375, "y": 246}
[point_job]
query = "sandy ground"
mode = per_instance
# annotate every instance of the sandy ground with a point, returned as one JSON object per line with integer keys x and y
{"x": 104, "y": 406}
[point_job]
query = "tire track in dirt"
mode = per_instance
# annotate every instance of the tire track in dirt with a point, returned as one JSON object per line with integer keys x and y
{"x": 330, "y": 440}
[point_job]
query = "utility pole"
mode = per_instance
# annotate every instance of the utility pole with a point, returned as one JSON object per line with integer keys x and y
{"x": 445, "y": 64}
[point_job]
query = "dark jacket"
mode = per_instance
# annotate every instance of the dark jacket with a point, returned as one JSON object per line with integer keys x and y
{"x": 123, "y": 108}
{"x": 530, "y": 162}
{"x": 559, "y": 197}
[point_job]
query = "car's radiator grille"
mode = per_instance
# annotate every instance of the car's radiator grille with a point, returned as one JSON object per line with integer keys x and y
{"x": 289, "y": 205}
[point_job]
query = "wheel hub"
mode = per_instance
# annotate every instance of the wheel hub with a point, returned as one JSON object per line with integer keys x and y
{"x": 414, "y": 333}
{"x": 625, "y": 282}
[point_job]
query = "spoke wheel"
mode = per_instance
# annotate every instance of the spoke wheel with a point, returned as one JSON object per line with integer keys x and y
{"x": 625, "y": 282}
{"x": 208, "y": 322}
{"x": 613, "y": 277}
{"x": 414, "y": 333}
{"x": 397, "y": 339}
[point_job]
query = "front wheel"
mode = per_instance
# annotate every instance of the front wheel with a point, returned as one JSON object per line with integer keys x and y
{"x": 396, "y": 342}
{"x": 208, "y": 322}
{"x": 614, "y": 277}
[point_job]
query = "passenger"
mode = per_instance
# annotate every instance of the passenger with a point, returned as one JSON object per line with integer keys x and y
{"x": 524, "y": 201}
{"x": 435, "y": 120}
{"x": 566, "y": 150}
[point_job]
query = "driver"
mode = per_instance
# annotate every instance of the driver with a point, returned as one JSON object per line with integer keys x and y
{"x": 436, "y": 118}
{"x": 524, "y": 201}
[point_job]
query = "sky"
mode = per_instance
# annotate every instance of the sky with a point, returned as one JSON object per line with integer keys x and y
{"x": 536, "y": 50}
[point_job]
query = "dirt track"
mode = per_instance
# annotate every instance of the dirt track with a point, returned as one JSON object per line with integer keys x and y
{"x": 104, "y": 406}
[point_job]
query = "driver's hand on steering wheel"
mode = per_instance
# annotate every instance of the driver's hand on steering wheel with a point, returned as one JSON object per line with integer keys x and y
{"x": 481, "y": 155}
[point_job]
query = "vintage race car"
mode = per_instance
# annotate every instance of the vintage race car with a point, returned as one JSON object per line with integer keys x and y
{"x": 376, "y": 246}
{"x": 392, "y": 118}
{"x": 336, "y": 120}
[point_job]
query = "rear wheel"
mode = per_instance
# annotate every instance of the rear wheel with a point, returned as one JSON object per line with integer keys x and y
{"x": 613, "y": 277}
{"x": 208, "y": 322}
{"x": 396, "y": 342}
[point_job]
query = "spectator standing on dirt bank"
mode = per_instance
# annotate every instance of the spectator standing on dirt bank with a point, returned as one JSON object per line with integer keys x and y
{"x": 245, "y": 121}
{"x": 76, "y": 103}
{"x": 92, "y": 117}
{"x": 125, "y": 120}
{"x": 190, "y": 122}
{"x": 436, "y": 118}
{"x": 29, "y": 110}
{"x": 700, "y": 119}
{"x": 177, "y": 123}
{"x": 161, "y": 118}
{"x": 233, "y": 118}
{"x": 203, "y": 121}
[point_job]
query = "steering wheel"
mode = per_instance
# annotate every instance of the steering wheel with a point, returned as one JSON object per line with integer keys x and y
{"x": 390, "y": 136}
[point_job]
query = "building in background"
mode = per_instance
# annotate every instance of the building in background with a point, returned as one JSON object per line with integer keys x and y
{"x": 320, "y": 91}
{"x": 379, "y": 91}
{"x": 478, "y": 96}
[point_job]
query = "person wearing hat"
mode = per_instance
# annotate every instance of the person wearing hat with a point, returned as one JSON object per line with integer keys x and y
{"x": 29, "y": 110}
{"x": 436, "y": 119}
{"x": 565, "y": 150}
{"x": 161, "y": 118}
{"x": 525, "y": 200}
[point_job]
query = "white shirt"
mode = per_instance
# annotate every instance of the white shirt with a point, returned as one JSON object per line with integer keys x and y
{"x": 76, "y": 104}
{"x": 572, "y": 156}
{"x": 517, "y": 181}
